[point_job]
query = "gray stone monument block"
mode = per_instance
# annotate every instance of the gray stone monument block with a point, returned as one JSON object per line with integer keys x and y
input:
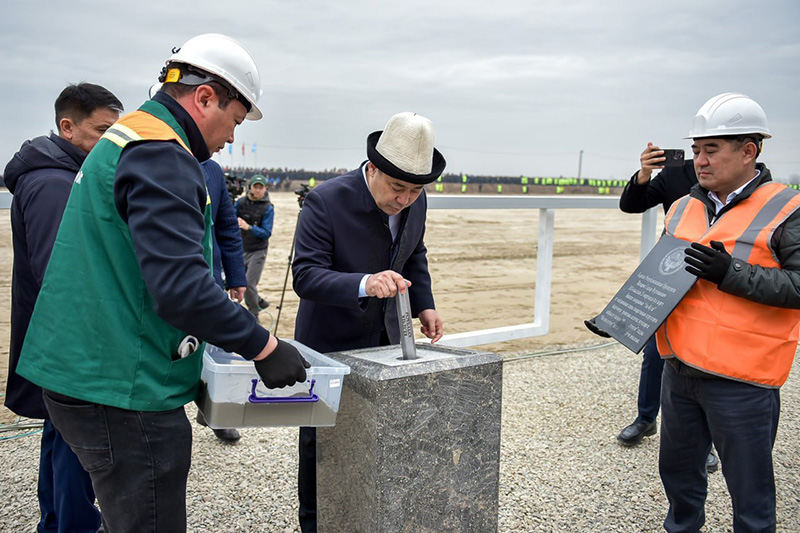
{"x": 416, "y": 446}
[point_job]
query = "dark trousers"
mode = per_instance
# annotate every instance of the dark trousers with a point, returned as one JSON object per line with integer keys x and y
{"x": 650, "y": 383}
{"x": 307, "y": 480}
{"x": 253, "y": 267}
{"x": 66, "y": 497}
{"x": 742, "y": 422}
{"x": 138, "y": 461}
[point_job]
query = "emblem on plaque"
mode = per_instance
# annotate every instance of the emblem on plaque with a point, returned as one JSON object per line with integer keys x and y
{"x": 672, "y": 261}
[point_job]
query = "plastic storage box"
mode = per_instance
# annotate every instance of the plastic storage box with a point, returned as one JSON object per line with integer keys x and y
{"x": 233, "y": 396}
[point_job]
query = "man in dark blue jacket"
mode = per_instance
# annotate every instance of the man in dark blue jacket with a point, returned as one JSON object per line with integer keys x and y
{"x": 227, "y": 239}
{"x": 359, "y": 242}
{"x": 227, "y": 255}
{"x": 40, "y": 177}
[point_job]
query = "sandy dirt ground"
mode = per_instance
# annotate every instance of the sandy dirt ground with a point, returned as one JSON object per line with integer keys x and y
{"x": 483, "y": 265}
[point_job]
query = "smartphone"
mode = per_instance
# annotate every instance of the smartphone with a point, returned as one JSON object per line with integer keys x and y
{"x": 674, "y": 158}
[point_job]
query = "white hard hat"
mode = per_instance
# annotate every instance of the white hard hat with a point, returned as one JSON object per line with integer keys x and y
{"x": 154, "y": 89}
{"x": 224, "y": 58}
{"x": 729, "y": 114}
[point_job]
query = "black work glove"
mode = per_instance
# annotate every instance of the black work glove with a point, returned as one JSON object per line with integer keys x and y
{"x": 592, "y": 325}
{"x": 710, "y": 264}
{"x": 284, "y": 366}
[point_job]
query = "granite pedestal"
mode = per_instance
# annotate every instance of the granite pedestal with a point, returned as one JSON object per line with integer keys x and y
{"x": 416, "y": 446}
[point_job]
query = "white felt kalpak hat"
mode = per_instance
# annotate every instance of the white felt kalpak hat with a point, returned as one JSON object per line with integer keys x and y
{"x": 404, "y": 149}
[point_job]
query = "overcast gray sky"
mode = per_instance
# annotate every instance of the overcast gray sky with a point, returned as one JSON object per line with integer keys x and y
{"x": 514, "y": 87}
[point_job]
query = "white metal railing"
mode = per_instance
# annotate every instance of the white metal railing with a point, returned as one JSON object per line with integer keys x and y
{"x": 544, "y": 255}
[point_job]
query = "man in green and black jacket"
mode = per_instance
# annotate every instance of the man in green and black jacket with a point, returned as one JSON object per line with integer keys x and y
{"x": 128, "y": 296}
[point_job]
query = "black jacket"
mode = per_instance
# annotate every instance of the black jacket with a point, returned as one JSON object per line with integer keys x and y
{"x": 341, "y": 236}
{"x": 40, "y": 177}
{"x": 669, "y": 185}
{"x": 253, "y": 212}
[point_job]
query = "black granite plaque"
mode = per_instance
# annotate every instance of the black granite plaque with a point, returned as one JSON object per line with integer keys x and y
{"x": 648, "y": 297}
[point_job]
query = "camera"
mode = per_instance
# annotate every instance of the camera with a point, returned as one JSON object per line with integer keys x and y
{"x": 235, "y": 186}
{"x": 301, "y": 193}
{"x": 674, "y": 158}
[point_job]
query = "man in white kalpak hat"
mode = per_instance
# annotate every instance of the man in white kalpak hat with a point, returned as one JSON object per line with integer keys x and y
{"x": 359, "y": 242}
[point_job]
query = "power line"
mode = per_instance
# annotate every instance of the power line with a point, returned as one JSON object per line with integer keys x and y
{"x": 523, "y": 356}
{"x": 492, "y": 152}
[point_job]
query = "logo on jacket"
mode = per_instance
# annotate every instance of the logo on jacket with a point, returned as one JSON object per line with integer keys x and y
{"x": 672, "y": 261}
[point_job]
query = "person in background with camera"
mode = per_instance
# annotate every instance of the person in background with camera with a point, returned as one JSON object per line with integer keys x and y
{"x": 255, "y": 217}
{"x": 128, "y": 293}
{"x": 234, "y": 185}
{"x": 360, "y": 241}
{"x": 40, "y": 177}
{"x": 730, "y": 342}
{"x": 227, "y": 259}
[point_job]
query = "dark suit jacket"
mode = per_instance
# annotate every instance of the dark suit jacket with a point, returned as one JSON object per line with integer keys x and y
{"x": 341, "y": 236}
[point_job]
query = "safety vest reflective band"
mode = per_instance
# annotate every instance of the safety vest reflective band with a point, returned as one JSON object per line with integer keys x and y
{"x": 138, "y": 126}
{"x": 720, "y": 333}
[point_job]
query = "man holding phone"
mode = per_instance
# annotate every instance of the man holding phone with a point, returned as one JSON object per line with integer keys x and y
{"x": 676, "y": 178}
{"x": 674, "y": 181}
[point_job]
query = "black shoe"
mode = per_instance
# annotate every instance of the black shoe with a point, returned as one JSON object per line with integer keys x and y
{"x": 262, "y": 304}
{"x": 633, "y": 434}
{"x": 712, "y": 463}
{"x": 226, "y": 435}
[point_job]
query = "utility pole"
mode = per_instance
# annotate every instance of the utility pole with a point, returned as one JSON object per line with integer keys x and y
{"x": 580, "y": 163}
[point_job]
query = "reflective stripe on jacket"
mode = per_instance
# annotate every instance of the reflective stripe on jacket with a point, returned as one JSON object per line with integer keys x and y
{"x": 720, "y": 333}
{"x": 140, "y": 126}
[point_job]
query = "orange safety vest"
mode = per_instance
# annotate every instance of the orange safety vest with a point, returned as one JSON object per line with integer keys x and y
{"x": 720, "y": 333}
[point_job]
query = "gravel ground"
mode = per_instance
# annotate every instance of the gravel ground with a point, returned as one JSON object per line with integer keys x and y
{"x": 561, "y": 467}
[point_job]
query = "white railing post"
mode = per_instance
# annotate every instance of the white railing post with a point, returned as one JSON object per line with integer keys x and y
{"x": 544, "y": 270}
{"x": 649, "y": 221}
{"x": 541, "y": 305}
{"x": 547, "y": 206}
